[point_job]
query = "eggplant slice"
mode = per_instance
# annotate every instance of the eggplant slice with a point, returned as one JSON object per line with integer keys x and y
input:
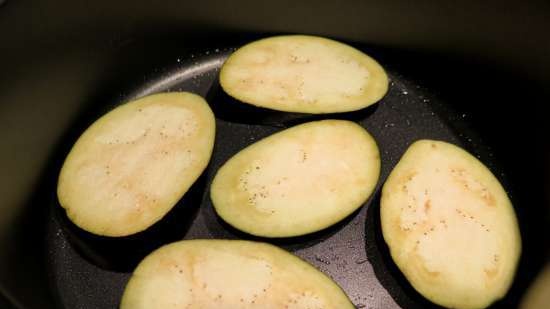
{"x": 131, "y": 166}
{"x": 450, "y": 226}
{"x": 537, "y": 295}
{"x": 303, "y": 74}
{"x": 212, "y": 274}
{"x": 299, "y": 180}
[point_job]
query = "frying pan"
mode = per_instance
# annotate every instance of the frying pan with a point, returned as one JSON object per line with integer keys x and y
{"x": 65, "y": 64}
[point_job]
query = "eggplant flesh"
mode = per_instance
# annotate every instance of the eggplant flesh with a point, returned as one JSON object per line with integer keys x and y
{"x": 450, "y": 226}
{"x": 298, "y": 181}
{"x": 131, "y": 166}
{"x": 212, "y": 274}
{"x": 303, "y": 74}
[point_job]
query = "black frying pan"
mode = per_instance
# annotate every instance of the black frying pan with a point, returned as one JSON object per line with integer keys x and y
{"x": 87, "y": 271}
{"x": 493, "y": 110}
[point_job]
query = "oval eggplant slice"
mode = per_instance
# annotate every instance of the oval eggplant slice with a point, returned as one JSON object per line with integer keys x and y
{"x": 299, "y": 180}
{"x": 131, "y": 166}
{"x": 537, "y": 295}
{"x": 450, "y": 226}
{"x": 203, "y": 274}
{"x": 303, "y": 74}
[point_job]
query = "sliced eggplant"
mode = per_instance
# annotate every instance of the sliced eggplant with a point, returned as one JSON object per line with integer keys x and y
{"x": 450, "y": 226}
{"x": 537, "y": 295}
{"x": 299, "y": 180}
{"x": 212, "y": 274}
{"x": 131, "y": 166}
{"x": 304, "y": 74}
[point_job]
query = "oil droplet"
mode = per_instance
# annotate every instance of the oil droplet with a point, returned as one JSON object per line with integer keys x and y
{"x": 322, "y": 260}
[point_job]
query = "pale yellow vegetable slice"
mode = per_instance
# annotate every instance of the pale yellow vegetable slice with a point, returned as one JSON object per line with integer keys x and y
{"x": 214, "y": 274}
{"x": 304, "y": 74}
{"x": 450, "y": 226}
{"x": 131, "y": 166}
{"x": 537, "y": 295}
{"x": 299, "y": 180}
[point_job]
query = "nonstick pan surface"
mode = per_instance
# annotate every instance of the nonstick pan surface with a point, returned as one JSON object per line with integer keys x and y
{"x": 87, "y": 271}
